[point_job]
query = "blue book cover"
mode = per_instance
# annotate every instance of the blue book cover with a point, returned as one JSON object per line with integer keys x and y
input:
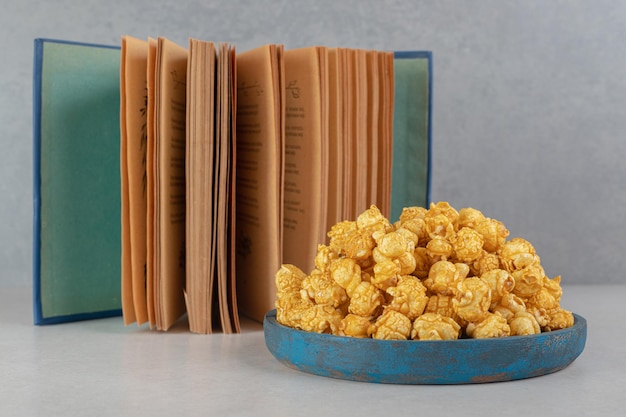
{"x": 76, "y": 239}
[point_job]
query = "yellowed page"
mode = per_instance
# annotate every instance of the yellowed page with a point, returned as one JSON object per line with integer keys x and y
{"x": 232, "y": 304}
{"x": 170, "y": 119}
{"x": 259, "y": 178}
{"x": 128, "y": 308}
{"x": 150, "y": 174}
{"x": 200, "y": 247}
{"x": 303, "y": 148}
{"x": 360, "y": 133}
{"x": 373, "y": 111}
{"x": 224, "y": 100}
{"x": 136, "y": 56}
{"x": 386, "y": 130}
{"x": 349, "y": 209}
{"x": 325, "y": 144}
{"x": 335, "y": 139}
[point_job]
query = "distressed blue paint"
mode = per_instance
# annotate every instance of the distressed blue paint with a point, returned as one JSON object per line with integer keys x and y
{"x": 463, "y": 361}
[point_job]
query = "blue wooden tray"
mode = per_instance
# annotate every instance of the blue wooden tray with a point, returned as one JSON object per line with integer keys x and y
{"x": 463, "y": 361}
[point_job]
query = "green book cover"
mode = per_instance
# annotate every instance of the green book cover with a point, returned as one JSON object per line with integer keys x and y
{"x": 411, "y": 131}
{"x": 77, "y": 243}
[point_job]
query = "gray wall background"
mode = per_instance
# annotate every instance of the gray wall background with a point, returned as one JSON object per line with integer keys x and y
{"x": 529, "y": 118}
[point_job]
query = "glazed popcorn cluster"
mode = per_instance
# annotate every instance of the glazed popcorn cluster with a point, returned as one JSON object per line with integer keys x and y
{"x": 435, "y": 274}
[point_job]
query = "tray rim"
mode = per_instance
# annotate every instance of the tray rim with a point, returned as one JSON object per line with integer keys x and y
{"x": 576, "y": 334}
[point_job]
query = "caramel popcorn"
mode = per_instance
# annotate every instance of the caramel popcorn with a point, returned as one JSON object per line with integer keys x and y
{"x": 323, "y": 290}
{"x": 355, "y": 326}
{"x": 443, "y": 277}
{"x": 408, "y": 297}
{"x": 434, "y": 274}
{"x": 467, "y": 245}
{"x": 494, "y": 234}
{"x": 433, "y": 326}
{"x": 473, "y": 299}
{"x": 523, "y": 323}
{"x": 493, "y": 325}
{"x": 500, "y": 282}
{"x": 392, "y": 325}
{"x": 442, "y": 305}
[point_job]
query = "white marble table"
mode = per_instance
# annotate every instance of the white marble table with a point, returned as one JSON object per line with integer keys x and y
{"x": 102, "y": 368}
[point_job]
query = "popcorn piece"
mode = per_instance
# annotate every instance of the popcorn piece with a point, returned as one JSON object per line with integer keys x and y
{"x": 541, "y": 315}
{"x": 500, "y": 282}
{"x": 494, "y": 234}
{"x": 441, "y": 220}
{"x": 392, "y": 325}
{"x": 528, "y": 280}
{"x": 553, "y": 286}
{"x": 517, "y": 253}
{"x": 397, "y": 246}
{"x": 355, "y": 326}
{"x": 290, "y": 308}
{"x": 339, "y": 235}
{"x": 523, "y": 323}
{"x": 494, "y": 325}
{"x": 320, "y": 319}
{"x": 386, "y": 274}
{"x": 289, "y": 279}
{"x": 484, "y": 263}
{"x": 409, "y": 297}
{"x": 433, "y": 326}
{"x": 443, "y": 278}
{"x": 542, "y": 299}
{"x": 442, "y": 305}
{"x": 325, "y": 254}
{"x": 422, "y": 262}
{"x": 322, "y": 289}
{"x": 443, "y": 208}
{"x": 467, "y": 245}
{"x": 439, "y": 249}
{"x": 472, "y": 300}
{"x": 412, "y": 213}
{"x": 347, "y": 240}
{"x": 418, "y": 228}
{"x": 347, "y": 273}
{"x": 439, "y": 226}
{"x": 372, "y": 220}
{"x": 510, "y": 304}
{"x": 559, "y": 318}
{"x": 469, "y": 217}
{"x": 366, "y": 300}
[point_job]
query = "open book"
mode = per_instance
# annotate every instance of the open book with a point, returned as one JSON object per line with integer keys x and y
{"x": 227, "y": 165}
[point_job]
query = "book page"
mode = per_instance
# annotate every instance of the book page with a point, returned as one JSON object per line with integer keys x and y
{"x": 386, "y": 133}
{"x": 200, "y": 245}
{"x": 348, "y": 88}
{"x": 373, "y": 111}
{"x": 322, "y": 53}
{"x": 150, "y": 181}
{"x": 259, "y": 177}
{"x": 335, "y": 139}
{"x": 223, "y": 169}
{"x": 128, "y": 308}
{"x": 303, "y": 160}
{"x": 135, "y": 62}
{"x": 360, "y": 131}
{"x": 232, "y": 305}
{"x": 170, "y": 119}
